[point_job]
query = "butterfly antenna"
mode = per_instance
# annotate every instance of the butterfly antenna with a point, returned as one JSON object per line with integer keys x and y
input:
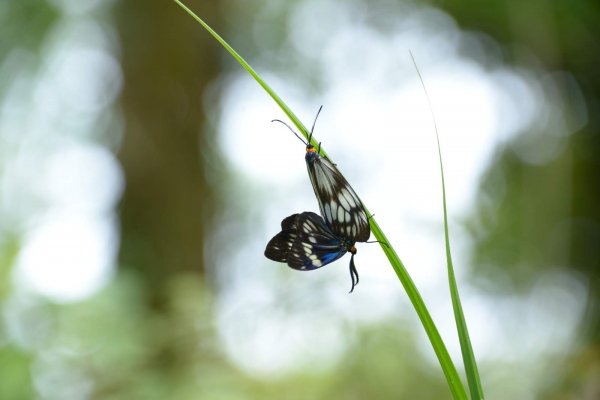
{"x": 293, "y": 131}
{"x": 313, "y": 125}
{"x": 353, "y": 273}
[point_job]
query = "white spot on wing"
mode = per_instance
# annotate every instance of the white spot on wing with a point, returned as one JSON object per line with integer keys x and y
{"x": 324, "y": 181}
{"x": 306, "y": 227}
{"x": 334, "y": 208}
{"x": 344, "y": 201}
{"x": 327, "y": 212}
{"x": 350, "y": 197}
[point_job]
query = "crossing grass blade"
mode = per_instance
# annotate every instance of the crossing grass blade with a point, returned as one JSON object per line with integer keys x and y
{"x": 456, "y": 387}
{"x": 466, "y": 348}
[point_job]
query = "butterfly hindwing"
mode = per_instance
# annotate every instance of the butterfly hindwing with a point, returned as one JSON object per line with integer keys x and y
{"x": 316, "y": 245}
{"x": 307, "y": 243}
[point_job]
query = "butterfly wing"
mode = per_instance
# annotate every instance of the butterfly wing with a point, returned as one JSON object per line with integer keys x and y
{"x": 307, "y": 244}
{"x": 281, "y": 244}
{"x": 340, "y": 206}
{"x": 315, "y": 245}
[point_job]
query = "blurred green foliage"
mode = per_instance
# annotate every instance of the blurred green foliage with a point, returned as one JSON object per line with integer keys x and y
{"x": 532, "y": 218}
{"x": 533, "y": 215}
{"x": 151, "y": 332}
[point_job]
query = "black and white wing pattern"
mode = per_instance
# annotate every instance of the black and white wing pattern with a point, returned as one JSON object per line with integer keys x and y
{"x": 340, "y": 206}
{"x": 306, "y": 243}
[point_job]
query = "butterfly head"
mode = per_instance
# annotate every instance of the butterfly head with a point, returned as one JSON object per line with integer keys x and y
{"x": 312, "y": 154}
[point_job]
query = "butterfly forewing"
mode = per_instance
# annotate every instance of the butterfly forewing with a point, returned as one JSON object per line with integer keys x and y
{"x": 280, "y": 245}
{"x": 340, "y": 206}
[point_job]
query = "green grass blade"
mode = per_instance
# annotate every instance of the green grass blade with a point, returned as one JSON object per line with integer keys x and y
{"x": 461, "y": 325}
{"x": 251, "y": 71}
{"x": 456, "y": 387}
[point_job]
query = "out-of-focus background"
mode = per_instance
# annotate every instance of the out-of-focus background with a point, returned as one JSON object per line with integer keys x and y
{"x": 141, "y": 178}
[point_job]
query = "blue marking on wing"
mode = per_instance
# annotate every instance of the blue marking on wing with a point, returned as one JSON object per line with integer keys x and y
{"x": 330, "y": 257}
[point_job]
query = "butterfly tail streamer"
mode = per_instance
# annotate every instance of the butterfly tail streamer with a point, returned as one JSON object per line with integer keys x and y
{"x": 449, "y": 369}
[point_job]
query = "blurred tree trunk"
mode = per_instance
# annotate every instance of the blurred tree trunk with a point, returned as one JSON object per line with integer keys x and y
{"x": 167, "y": 61}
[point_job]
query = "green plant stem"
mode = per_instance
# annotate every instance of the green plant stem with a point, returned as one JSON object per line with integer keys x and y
{"x": 456, "y": 387}
{"x": 248, "y": 68}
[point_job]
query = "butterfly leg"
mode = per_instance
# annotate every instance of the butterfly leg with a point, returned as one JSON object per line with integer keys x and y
{"x": 377, "y": 241}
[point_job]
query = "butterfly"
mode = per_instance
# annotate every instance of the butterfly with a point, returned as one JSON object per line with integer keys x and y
{"x": 340, "y": 206}
{"x": 306, "y": 243}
